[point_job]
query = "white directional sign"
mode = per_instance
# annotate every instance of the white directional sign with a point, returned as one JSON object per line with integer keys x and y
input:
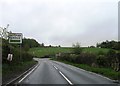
{"x": 15, "y": 38}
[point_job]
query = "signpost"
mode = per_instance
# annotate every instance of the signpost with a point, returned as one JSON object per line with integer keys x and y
{"x": 16, "y": 38}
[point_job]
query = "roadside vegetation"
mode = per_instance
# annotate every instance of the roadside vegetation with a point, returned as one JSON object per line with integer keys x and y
{"x": 10, "y": 72}
{"x": 102, "y": 61}
{"x": 21, "y": 60}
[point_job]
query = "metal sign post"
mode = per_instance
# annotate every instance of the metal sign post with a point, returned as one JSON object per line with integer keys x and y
{"x": 16, "y": 38}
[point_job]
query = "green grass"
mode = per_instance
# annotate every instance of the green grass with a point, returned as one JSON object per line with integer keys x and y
{"x": 103, "y": 71}
{"x": 95, "y": 50}
{"x": 11, "y": 71}
{"x": 40, "y": 52}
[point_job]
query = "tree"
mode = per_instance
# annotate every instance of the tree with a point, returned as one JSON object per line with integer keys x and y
{"x": 30, "y": 43}
{"x": 42, "y": 44}
{"x": 76, "y": 48}
{"x": 26, "y": 47}
{"x": 50, "y": 46}
{"x": 109, "y": 44}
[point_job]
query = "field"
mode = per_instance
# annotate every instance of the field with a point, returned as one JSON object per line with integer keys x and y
{"x": 95, "y": 50}
{"x": 40, "y": 52}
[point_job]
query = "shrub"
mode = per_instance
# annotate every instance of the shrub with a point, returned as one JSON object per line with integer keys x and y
{"x": 73, "y": 58}
{"x": 111, "y": 55}
{"x": 76, "y": 48}
{"x": 86, "y": 58}
{"x": 64, "y": 57}
{"x": 83, "y": 58}
{"x": 101, "y": 60}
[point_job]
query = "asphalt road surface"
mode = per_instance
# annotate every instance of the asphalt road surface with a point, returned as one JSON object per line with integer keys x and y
{"x": 53, "y": 72}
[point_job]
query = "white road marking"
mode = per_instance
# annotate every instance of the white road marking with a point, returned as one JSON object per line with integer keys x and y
{"x": 55, "y": 67}
{"x": 27, "y": 74}
{"x": 66, "y": 78}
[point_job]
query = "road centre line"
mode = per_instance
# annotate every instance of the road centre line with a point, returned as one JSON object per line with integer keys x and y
{"x": 63, "y": 76}
{"x": 55, "y": 67}
{"x": 66, "y": 78}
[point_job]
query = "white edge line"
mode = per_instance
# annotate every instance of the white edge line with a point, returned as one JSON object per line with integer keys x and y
{"x": 55, "y": 67}
{"x": 66, "y": 78}
{"x": 27, "y": 74}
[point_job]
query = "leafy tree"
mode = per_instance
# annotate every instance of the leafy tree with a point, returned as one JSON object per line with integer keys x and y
{"x": 50, "y": 46}
{"x": 26, "y": 47}
{"x": 42, "y": 44}
{"x": 109, "y": 44}
{"x": 76, "y": 48}
{"x": 30, "y": 43}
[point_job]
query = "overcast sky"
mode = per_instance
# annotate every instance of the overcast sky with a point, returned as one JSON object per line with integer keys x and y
{"x": 62, "y": 22}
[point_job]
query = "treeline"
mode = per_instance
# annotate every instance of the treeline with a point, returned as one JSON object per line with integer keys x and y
{"x": 19, "y": 52}
{"x": 29, "y": 43}
{"x": 110, "y": 44}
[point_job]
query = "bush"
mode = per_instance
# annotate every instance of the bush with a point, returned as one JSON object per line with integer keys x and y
{"x": 73, "y": 58}
{"x": 83, "y": 58}
{"x": 111, "y": 55}
{"x": 77, "y": 49}
{"x": 101, "y": 61}
{"x": 86, "y": 58}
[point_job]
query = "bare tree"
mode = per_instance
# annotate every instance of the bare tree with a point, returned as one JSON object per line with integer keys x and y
{"x": 3, "y": 32}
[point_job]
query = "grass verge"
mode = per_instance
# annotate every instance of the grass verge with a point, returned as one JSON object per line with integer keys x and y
{"x": 10, "y": 72}
{"x": 102, "y": 71}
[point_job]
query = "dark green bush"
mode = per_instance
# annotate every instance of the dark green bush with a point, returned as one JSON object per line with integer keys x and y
{"x": 101, "y": 61}
{"x": 73, "y": 58}
{"x": 83, "y": 58}
{"x": 87, "y": 58}
{"x": 111, "y": 55}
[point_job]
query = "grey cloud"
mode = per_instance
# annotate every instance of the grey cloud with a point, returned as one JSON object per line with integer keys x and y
{"x": 63, "y": 21}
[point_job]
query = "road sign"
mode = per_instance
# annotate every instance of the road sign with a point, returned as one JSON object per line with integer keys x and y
{"x": 10, "y": 57}
{"x": 15, "y": 38}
